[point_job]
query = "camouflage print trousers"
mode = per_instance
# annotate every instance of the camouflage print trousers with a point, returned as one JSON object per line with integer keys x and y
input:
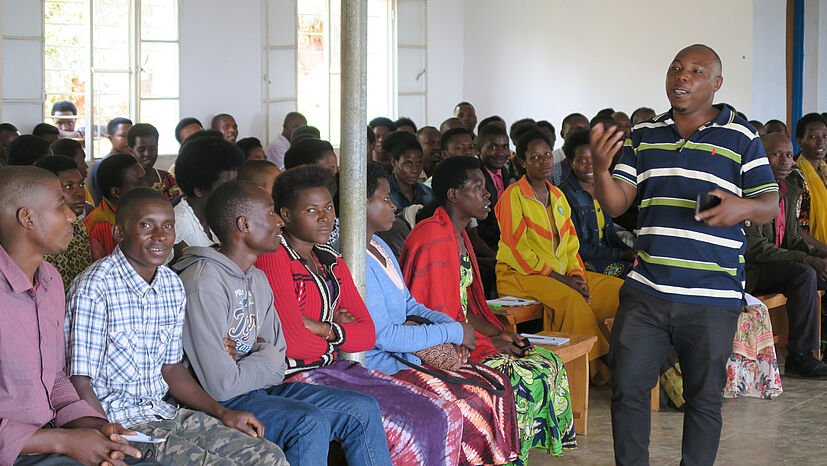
{"x": 195, "y": 438}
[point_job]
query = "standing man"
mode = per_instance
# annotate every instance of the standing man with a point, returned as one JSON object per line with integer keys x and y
{"x": 276, "y": 149}
{"x": 687, "y": 285}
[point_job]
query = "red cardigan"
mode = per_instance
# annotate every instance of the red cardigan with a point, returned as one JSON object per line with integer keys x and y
{"x": 430, "y": 265}
{"x": 297, "y": 291}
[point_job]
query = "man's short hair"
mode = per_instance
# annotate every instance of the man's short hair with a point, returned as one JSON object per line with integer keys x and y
{"x": 398, "y": 142}
{"x": 489, "y": 131}
{"x": 292, "y": 115}
{"x": 808, "y": 119}
{"x": 305, "y": 132}
{"x": 404, "y": 121}
{"x": 42, "y": 130}
{"x": 113, "y": 124}
{"x": 214, "y": 121}
{"x": 254, "y": 171}
{"x": 56, "y": 164}
{"x": 65, "y": 147}
{"x": 112, "y": 171}
{"x": 488, "y": 120}
{"x": 141, "y": 130}
{"x": 290, "y": 182}
{"x": 639, "y": 110}
{"x": 17, "y": 184}
{"x": 201, "y": 161}
{"x": 248, "y": 144}
{"x": 521, "y": 126}
{"x": 26, "y": 150}
{"x": 382, "y": 121}
{"x": 183, "y": 124}
{"x": 548, "y": 125}
{"x": 306, "y": 152}
{"x": 64, "y": 106}
{"x": 226, "y": 203}
{"x": 449, "y": 135}
{"x": 133, "y": 199}
{"x": 8, "y": 127}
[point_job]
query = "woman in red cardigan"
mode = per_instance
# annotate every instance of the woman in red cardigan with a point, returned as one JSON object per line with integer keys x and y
{"x": 441, "y": 271}
{"x": 321, "y": 311}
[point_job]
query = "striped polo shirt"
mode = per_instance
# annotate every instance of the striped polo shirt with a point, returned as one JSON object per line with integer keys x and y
{"x": 681, "y": 259}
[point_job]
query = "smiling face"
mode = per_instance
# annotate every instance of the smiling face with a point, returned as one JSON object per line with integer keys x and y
{"x": 74, "y": 193}
{"x": 692, "y": 80}
{"x": 582, "y": 164}
{"x": 311, "y": 219}
{"x": 814, "y": 143}
{"x": 473, "y": 199}
{"x": 146, "y": 151}
{"x": 495, "y": 151}
{"x": 52, "y": 218}
{"x": 407, "y": 168}
{"x": 119, "y": 141}
{"x": 228, "y": 127}
{"x": 146, "y": 235}
{"x": 779, "y": 151}
{"x": 538, "y": 162}
{"x": 380, "y": 208}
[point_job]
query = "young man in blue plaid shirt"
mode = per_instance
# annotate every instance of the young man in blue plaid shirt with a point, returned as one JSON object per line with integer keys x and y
{"x": 124, "y": 321}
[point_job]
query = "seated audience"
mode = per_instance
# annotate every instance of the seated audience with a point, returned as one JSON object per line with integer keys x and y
{"x": 26, "y": 150}
{"x": 43, "y": 419}
{"x": 451, "y": 123}
{"x": 381, "y": 126}
{"x": 117, "y": 175}
{"x": 278, "y": 147}
{"x": 778, "y": 260}
{"x": 252, "y": 148}
{"x": 601, "y": 249}
{"x": 406, "y": 154}
{"x": 405, "y": 124}
{"x": 489, "y": 427}
{"x": 811, "y": 135}
{"x": 74, "y": 150}
{"x": 548, "y": 129}
{"x": 78, "y": 255}
{"x": 204, "y": 163}
{"x": 493, "y": 151}
{"x": 467, "y": 114}
{"x": 440, "y": 269}
{"x": 538, "y": 255}
{"x": 642, "y": 114}
{"x": 124, "y": 319}
{"x": 304, "y": 132}
{"x": 226, "y": 125}
{"x": 117, "y": 130}
{"x": 301, "y": 418}
{"x": 143, "y": 144}
{"x": 260, "y": 172}
{"x": 457, "y": 142}
{"x": 8, "y": 133}
{"x": 776, "y": 126}
{"x": 428, "y": 138}
{"x": 46, "y": 131}
{"x": 321, "y": 312}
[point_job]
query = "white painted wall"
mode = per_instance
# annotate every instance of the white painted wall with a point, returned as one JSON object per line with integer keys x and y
{"x": 445, "y": 39}
{"x": 222, "y": 62}
{"x": 769, "y": 72}
{"x": 822, "y": 63}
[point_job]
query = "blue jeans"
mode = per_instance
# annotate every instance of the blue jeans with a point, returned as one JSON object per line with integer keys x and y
{"x": 303, "y": 419}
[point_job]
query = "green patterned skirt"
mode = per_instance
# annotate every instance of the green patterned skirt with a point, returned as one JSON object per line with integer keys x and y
{"x": 541, "y": 390}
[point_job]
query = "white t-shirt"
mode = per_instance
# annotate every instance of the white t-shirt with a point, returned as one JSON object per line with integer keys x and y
{"x": 188, "y": 228}
{"x": 276, "y": 149}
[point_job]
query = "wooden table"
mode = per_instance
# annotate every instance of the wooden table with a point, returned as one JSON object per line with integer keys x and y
{"x": 575, "y": 357}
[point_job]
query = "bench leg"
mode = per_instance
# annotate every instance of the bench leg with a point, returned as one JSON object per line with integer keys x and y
{"x": 656, "y": 396}
{"x": 578, "y": 375}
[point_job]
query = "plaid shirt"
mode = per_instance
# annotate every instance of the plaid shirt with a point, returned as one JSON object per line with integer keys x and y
{"x": 120, "y": 330}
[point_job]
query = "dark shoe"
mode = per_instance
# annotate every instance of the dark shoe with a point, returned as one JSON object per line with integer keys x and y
{"x": 805, "y": 365}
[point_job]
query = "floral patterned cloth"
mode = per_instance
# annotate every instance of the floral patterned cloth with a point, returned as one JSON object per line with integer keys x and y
{"x": 466, "y": 278}
{"x": 540, "y": 386}
{"x": 752, "y": 369}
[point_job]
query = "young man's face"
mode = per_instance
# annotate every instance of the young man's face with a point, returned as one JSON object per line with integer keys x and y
{"x": 379, "y": 153}
{"x": 573, "y": 124}
{"x": 133, "y": 178}
{"x": 460, "y": 145}
{"x": 146, "y": 151}
{"x": 52, "y": 218}
{"x": 623, "y": 123}
{"x": 119, "y": 144}
{"x": 429, "y": 140}
{"x": 468, "y": 115}
{"x": 65, "y": 124}
{"x": 146, "y": 236}
{"x": 814, "y": 143}
{"x": 407, "y": 168}
{"x": 228, "y": 127}
{"x": 188, "y": 131}
{"x": 692, "y": 79}
{"x": 779, "y": 151}
{"x": 495, "y": 151}
{"x": 264, "y": 223}
{"x": 73, "y": 193}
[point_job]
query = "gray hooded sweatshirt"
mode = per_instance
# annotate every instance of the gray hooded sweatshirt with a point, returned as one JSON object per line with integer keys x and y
{"x": 224, "y": 301}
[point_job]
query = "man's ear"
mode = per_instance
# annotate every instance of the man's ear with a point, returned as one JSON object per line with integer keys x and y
{"x": 451, "y": 195}
{"x": 117, "y": 233}
{"x": 115, "y": 194}
{"x": 719, "y": 81}
{"x": 24, "y": 217}
{"x": 243, "y": 224}
{"x": 284, "y": 213}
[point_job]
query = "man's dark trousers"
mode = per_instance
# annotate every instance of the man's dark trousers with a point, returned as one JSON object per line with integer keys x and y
{"x": 643, "y": 329}
{"x": 799, "y": 284}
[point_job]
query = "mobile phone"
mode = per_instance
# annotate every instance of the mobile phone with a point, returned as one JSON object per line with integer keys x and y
{"x": 706, "y": 201}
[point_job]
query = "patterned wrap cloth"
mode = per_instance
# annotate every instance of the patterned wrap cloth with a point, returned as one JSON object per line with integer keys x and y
{"x": 752, "y": 369}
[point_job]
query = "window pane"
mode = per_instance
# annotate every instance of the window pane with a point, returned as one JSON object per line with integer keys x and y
{"x": 313, "y": 76}
{"x": 163, "y": 115}
{"x": 159, "y": 20}
{"x": 112, "y": 34}
{"x": 159, "y": 70}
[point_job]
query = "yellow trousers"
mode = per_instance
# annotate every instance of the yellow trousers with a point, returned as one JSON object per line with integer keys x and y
{"x": 565, "y": 308}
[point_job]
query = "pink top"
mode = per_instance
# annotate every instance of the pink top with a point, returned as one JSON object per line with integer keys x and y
{"x": 497, "y": 178}
{"x": 34, "y": 389}
{"x": 781, "y": 218}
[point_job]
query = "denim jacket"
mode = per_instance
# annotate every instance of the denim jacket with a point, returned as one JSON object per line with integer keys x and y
{"x": 583, "y": 215}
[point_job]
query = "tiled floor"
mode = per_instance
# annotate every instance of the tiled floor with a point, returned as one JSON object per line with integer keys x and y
{"x": 790, "y": 430}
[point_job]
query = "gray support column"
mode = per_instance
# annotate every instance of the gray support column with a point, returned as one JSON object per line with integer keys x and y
{"x": 353, "y": 149}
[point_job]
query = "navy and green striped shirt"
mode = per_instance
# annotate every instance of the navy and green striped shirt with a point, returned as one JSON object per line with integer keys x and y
{"x": 680, "y": 259}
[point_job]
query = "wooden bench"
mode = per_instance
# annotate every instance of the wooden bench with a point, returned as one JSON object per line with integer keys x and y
{"x": 511, "y": 316}
{"x": 575, "y": 356}
{"x": 777, "y": 305}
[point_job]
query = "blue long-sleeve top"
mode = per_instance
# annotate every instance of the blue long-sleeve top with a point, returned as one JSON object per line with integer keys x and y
{"x": 389, "y": 306}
